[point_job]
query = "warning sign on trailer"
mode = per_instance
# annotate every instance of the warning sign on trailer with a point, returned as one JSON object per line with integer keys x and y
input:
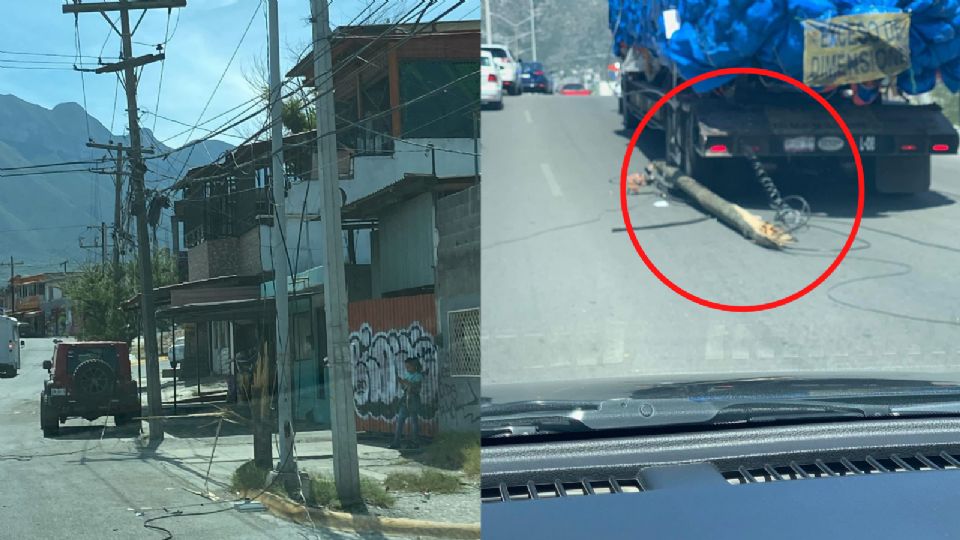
{"x": 855, "y": 48}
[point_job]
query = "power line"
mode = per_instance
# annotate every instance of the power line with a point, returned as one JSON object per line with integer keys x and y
{"x": 54, "y": 55}
{"x": 83, "y": 84}
{"x": 222, "y": 75}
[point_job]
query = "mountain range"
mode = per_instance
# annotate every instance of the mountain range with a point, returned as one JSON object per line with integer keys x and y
{"x": 44, "y": 215}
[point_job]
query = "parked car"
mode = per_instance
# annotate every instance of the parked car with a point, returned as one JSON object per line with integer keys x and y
{"x": 87, "y": 380}
{"x": 10, "y": 356}
{"x": 574, "y": 89}
{"x": 509, "y": 67}
{"x": 535, "y": 79}
{"x": 176, "y": 352}
{"x": 491, "y": 86}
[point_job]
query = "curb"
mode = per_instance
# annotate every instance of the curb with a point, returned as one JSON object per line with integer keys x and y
{"x": 284, "y": 507}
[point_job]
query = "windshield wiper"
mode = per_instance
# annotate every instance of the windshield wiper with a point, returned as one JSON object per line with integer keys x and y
{"x": 540, "y": 417}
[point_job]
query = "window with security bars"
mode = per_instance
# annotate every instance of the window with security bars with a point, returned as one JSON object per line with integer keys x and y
{"x": 464, "y": 331}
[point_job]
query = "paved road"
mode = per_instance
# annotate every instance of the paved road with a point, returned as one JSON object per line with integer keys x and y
{"x": 565, "y": 295}
{"x": 91, "y": 482}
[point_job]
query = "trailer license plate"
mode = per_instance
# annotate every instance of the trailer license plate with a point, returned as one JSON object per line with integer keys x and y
{"x": 799, "y": 144}
{"x": 58, "y": 391}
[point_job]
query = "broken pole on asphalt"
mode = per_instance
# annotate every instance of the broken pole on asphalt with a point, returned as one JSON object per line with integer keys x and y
{"x": 751, "y": 226}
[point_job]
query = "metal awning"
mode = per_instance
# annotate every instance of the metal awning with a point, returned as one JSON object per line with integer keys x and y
{"x": 412, "y": 185}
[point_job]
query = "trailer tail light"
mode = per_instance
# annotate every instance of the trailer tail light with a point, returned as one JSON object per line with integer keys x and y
{"x": 538, "y": 73}
{"x": 940, "y": 148}
{"x": 491, "y": 78}
{"x": 10, "y": 345}
{"x": 908, "y": 148}
{"x": 717, "y": 149}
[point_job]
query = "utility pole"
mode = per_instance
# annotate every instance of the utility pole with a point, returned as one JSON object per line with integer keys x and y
{"x": 288, "y": 466}
{"x": 533, "y": 33}
{"x": 346, "y": 468}
{"x": 138, "y": 169}
{"x": 486, "y": 17}
{"x": 103, "y": 243}
{"x": 13, "y": 297}
{"x": 117, "y": 196}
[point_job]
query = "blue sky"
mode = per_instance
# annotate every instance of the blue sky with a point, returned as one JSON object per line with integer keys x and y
{"x": 205, "y": 37}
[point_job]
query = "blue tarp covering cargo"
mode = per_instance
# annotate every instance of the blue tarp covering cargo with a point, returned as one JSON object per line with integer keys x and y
{"x": 817, "y": 41}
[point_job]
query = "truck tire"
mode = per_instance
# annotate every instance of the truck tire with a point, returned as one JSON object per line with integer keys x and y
{"x": 897, "y": 175}
{"x": 48, "y": 420}
{"x": 122, "y": 419}
{"x": 93, "y": 381}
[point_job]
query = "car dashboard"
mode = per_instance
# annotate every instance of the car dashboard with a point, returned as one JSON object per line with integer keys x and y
{"x": 868, "y": 479}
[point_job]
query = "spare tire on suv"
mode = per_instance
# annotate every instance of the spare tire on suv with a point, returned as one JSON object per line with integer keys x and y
{"x": 93, "y": 381}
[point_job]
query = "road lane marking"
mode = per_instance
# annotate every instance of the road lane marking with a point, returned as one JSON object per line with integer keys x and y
{"x": 551, "y": 180}
{"x": 526, "y": 114}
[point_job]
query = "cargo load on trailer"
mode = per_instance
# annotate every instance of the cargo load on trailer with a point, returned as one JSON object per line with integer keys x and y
{"x": 821, "y": 42}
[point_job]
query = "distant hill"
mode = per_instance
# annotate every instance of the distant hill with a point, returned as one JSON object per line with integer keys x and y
{"x": 35, "y": 210}
{"x": 571, "y": 34}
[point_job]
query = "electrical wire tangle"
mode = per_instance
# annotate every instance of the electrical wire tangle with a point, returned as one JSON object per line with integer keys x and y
{"x": 791, "y": 212}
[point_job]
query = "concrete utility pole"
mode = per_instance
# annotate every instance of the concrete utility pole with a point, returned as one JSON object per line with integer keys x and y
{"x": 346, "y": 467}
{"x": 288, "y": 465}
{"x": 533, "y": 33}
{"x": 488, "y": 38}
{"x": 138, "y": 168}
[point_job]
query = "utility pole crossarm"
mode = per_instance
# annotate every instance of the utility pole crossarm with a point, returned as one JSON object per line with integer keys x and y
{"x": 95, "y": 7}
{"x": 117, "y": 146}
{"x": 132, "y": 62}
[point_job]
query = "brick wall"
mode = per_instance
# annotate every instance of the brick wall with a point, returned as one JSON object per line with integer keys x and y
{"x": 225, "y": 257}
{"x": 458, "y": 287}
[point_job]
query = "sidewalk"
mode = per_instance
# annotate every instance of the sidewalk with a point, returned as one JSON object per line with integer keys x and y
{"x": 189, "y": 445}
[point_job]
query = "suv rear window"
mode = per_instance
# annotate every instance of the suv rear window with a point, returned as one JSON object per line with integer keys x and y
{"x": 497, "y": 53}
{"x": 78, "y": 355}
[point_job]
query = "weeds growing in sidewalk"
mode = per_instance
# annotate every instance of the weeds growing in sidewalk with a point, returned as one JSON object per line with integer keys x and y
{"x": 424, "y": 482}
{"x": 248, "y": 477}
{"x": 323, "y": 492}
{"x": 455, "y": 451}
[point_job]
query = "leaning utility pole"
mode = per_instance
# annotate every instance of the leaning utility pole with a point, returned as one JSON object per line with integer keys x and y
{"x": 288, "y": 465}
{"x": 346, "y": 468}
{"x": 138, "y": 169}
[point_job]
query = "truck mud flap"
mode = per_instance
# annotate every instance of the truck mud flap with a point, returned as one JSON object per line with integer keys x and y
{"x": 898, "y": 174}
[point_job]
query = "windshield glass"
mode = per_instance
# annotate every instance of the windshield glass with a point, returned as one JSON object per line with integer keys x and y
{"x": 77, "y": 356}
{"x": 567, "y": 294}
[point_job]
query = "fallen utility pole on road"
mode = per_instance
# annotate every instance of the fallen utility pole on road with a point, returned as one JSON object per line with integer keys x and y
{"x": 751, "y": 226}
{"x": 138, "y": 170}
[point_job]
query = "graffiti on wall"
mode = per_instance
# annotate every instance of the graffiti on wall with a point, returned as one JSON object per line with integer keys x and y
{"x": 383, "y": 334}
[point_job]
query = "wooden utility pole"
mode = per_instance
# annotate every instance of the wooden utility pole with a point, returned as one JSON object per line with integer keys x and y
{"x": 346, "y": 468}
{"x": 13, "y": 297}
{"x": 138, "y": 169}
{"x": 117, "y": 202}
{"x": 288, "y": 466}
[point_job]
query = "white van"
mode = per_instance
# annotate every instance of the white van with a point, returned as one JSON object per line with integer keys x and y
{"x": 10, "y": 345}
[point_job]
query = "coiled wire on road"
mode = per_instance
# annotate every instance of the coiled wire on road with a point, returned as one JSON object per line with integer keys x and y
{"x": 791, "y": 212}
